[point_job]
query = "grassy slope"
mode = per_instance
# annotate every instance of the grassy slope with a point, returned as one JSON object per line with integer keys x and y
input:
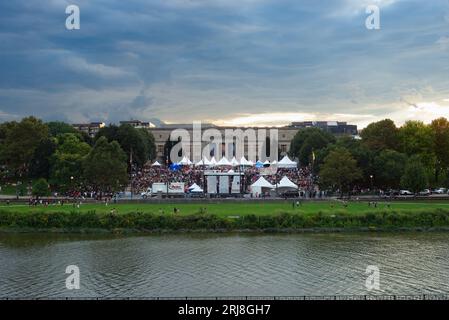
{"x": 237, "y": 209}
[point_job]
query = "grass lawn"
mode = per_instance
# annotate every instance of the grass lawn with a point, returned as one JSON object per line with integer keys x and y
{"x": 237, "y": 209}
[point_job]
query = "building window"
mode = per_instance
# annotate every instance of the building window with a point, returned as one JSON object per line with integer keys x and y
{"x": 283, "y": 148}
{"x": 160, "y": 148}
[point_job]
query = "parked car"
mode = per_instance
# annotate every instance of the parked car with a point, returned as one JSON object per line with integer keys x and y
{"x": 391, "y": 193}
{"x": 425, "y": 192}
{"x": 440, "y": 191}
{"x": 406, "y": 193}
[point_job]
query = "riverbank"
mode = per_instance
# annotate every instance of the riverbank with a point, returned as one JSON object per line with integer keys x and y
{"x": 431, "y": 219}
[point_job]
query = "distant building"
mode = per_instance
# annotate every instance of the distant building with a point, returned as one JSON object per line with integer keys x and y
{"x": 90, "y": 128}
{"x": 139, "y": 124}
{"x": 285, "y": 134}
{"x": 334, "y": 127}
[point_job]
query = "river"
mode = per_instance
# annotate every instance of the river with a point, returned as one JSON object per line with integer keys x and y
{"x": 206, "y": 265}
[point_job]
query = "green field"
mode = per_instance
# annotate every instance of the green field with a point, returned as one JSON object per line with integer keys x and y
{"x": 226, "y": 209}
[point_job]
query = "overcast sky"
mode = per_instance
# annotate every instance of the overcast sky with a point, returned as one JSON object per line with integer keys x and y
{"x": 234, "y": 62}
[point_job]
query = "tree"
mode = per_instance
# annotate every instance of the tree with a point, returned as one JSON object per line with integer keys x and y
{"x": 67, "y": 161}
{"x": 41, "y": 188}
{"x": 309, "y": 140}
{"x": 388, "y": 168}
{"x": 380, "y": 135}
{"x": 137, "y": 144}
{"x": 440, "y": 133}
{"x": 415, "y": 177}
{"x": 40, "y": 164}
{"x": 339, "y": 171}
{"x": 105, "y": 166}
{"x": 20, "y": 140}
{"x": 150, "y": 146}
{"x": 57, "y": 128}
{"x": 416, "y": 138}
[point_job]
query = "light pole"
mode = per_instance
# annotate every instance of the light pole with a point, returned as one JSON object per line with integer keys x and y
{"x": 372, "y": 185}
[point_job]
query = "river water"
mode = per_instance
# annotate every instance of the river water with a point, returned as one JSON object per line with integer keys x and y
{"x": 206, "y": 265}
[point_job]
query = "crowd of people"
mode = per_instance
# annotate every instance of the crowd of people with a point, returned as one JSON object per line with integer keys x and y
{"x": 144, "y": 178}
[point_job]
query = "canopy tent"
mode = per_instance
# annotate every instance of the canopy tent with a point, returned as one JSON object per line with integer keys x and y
{"x": 195, "y": 188}
{"x": 234, "y": 162}
{"x": 224, "y": 162}
{"x": 274, "y": 163}
{"x": 244, "y": 162}
{"x": 185, "y": 161}
{"x": 261, "y": 184}
{"x": 200, "y": 163}
{"x": 259, "y": 164}
{"x": 266, "y": 163}
{"x": 206, "y": 162}
{"x": 213, "y": 162}
{"x": 286, "y": 183}
{"x": 156, "y": 164}
{"x": 287, "y": 163}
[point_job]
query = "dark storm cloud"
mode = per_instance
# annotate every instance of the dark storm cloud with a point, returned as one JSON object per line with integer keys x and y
{"x": 195, "y": 59}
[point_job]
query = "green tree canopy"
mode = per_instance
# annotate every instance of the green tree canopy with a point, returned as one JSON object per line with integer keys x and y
{"x": 380, "y": 135}
{"x": 440, "y": 130}
{"x": 105, "y": 166}
{"x": 388, "y": 168}
{"x": 416, "y": 138}
{"x": 41, "y": 161}
{"x": 309, "y": 140}
{"x": 57, "y": 128}
{"x": 19, "y": 142}
{"x": 41, "y": 188}
{"x": 138, "y": 144}
{"x": 415, "y": 176}
{"x": 339, "y": 171}
{"x": 67, "y": 168}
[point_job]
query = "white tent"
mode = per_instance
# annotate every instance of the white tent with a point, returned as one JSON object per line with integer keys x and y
{"x": 287, "y": 163}
{"x": 274, "y": 162}
{"x": 258, "y": 186}
{"x": 213, "y": 162}
{"x": 195, "y": 188}
{"x": 234, "y": 162}
{"x": 266, "y": 162}
{"x": 156, "y": 164}
{"x": 244, "y": 162}
{"x": 200, "y": 163}
{"x": 185, "y": 161}
{"x": 286, "y": 183}
{"x": 223, "y": 162}
{"x": 250, "y": 163}
{"x": 206, "y": 162}
{"x": 198, "y": 189}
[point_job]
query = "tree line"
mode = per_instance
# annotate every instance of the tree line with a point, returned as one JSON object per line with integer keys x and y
{"x": 414, "y": 156}
{"x": 56, "y": 155}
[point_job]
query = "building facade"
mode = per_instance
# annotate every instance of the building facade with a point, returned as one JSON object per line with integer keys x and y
{"x": 334, "y": 127}
{"x": 139, "y": 124}
{"x": 90, "y": 128}
{"x": 285, "y": 136}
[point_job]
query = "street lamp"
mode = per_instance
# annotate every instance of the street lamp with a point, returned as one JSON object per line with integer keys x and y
{"x": 371, "y": 177}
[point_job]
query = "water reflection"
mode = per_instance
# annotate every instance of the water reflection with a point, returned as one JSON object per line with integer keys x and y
{"x": 33, "y": 265}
